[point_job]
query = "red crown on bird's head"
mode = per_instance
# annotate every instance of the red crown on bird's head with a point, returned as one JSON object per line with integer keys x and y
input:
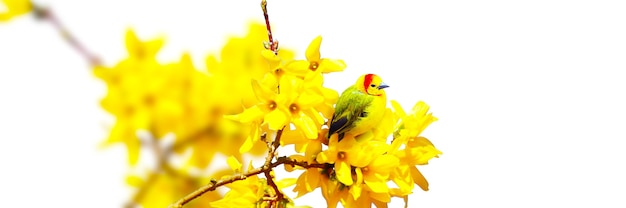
{"x": 371, "y": 84}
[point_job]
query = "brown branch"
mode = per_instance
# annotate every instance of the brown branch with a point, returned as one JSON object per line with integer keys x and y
{"x": 215, "y": 184}
{"x": 266, "y": 169}
{"x": 271, "y": 183}
{"x": 271, "y": 154}
{"x": 47, "y": 15}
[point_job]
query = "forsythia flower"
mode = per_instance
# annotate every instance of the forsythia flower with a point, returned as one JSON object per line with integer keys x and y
{"x": 14, "y": 8}
{"x": 417, "y": 150}
{"x": 314, "y": 62}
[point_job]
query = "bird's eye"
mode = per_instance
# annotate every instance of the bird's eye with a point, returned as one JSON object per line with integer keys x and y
{"x": 372, "y": 85}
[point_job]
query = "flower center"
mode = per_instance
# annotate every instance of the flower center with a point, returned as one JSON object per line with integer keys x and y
{"x": 149, "y": 100}
{"x": 313, "y": 66}
{"x": 294, "y": 108}
{"x": 271, "y": 105}
{"x": 341, "y": 155}
{"x": 279, "y": 72}
{"x": 365, "y": 170}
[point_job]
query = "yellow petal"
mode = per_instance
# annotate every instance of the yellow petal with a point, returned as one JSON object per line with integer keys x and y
{"x": 385, "y": 162}
{"x": 382, "y": 197}
{"x": 315, "y": 115}
{"x": 312, "y": 179}
{"x": 377, "y": 186}
{"x": 402, "y": 178}
{"x": 234, "y": 164}
{"x": 246, "y": 146}
{"x": 344, "y": 173}
{"x": 308, "y": 100}
{"x": 134, "y": 180}
{"x": 312, "y": 149}
{"x": 419, "y": 178}
{"x": 355, "y": 191}
{"x": 286, "y": 182}
{"x": 331, "y": 65}
{"x": 397, "y": 108}
{"x": 326, "y": 157}
{"x": 249, "y": 115}
{"x": 313, "y": 50}
{"x": 306, "y": 125}
{"x": 359, "y": 176}
{"x": 298, "y": 68}
{"x": 276, "y": 119}
{"x": 262, "y": 94}
{"x": 271, "y": 58}
{"x": 423, "y": 149}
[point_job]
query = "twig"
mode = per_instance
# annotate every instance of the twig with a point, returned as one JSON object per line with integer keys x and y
{"x": 47, "y": 15}
{"x": 271, "y": 154}
{"x": 272, "y": 45}
{"x": 264, "y": 169}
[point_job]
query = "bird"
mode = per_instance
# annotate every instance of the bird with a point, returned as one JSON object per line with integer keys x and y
{"x": 360, "y": 107}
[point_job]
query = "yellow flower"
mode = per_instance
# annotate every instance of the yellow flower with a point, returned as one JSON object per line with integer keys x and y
{"x": 333, "y": 191}
{"x": 314, "y": 62}
{"x": 366, "y": 199}
{"x": 278, "y": 109}
{"x": 313, "y": 84}
{"x": 310, "y": 147}
{"x": 308, "y": 181}
{"x": 411, "y": 125}
{"x": 341, "y": 154}
{"x": 417, "y": 150}
{"x": 244, "y": 193}
{"x": 130, "y": 98}
{"x": 14, "y": 8}
{"x": 376, "y": 174}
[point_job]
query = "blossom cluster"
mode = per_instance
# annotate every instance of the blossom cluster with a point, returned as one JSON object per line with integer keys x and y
{"x": 249, "y": 100}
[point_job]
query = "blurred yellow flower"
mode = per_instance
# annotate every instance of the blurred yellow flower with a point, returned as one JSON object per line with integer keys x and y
{"x": 13, "y": 8}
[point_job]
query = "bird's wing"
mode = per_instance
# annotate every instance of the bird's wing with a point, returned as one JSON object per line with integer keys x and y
{"x": 348, "y": 110}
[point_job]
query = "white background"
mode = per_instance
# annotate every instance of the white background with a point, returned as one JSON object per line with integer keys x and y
{"x": 530, "y": 94}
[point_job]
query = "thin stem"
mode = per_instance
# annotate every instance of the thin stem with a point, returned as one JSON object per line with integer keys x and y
{"x": 273, "y": 146}
{"x": 272, "y": 45}
{"x": 214, "y": 185}
{"x": 47, "y": 15}
{"x": 266, "y": 169}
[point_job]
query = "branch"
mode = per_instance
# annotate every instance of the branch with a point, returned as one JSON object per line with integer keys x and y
{"x": 271, "y": 154}
{"x": 47, "y": 15}
{"x": 271, "y": 45}
{"x": 266, "y": 169}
